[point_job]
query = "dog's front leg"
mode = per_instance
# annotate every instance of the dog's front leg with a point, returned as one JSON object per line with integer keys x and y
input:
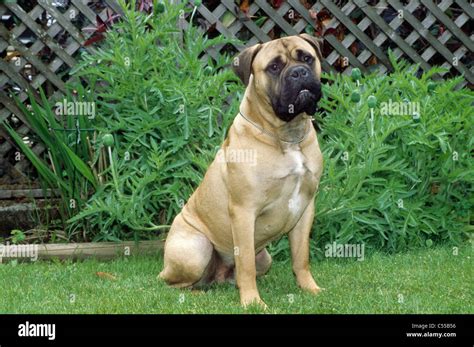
{"x": 243, "y": 234}
{"x": 299, "y": 244}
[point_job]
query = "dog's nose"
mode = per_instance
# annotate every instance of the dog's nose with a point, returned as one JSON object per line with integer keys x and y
{"x": 298, "y": 72}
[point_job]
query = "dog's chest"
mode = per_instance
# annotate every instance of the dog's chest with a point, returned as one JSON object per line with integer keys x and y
{"x": 294, "y": 181}
{"x": 292, "y": 184}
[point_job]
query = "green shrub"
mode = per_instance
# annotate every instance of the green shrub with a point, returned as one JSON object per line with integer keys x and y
{"x": 410, "y": 184}
{"x": 165, "y": 106}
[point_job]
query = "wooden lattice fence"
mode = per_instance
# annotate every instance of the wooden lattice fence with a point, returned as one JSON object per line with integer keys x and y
{"x": 40, "y": 40}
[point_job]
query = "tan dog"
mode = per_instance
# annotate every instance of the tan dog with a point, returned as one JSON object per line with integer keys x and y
{"x": 263, "y": 181}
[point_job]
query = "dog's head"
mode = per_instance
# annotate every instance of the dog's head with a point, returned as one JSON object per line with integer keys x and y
{"x": 285, "y": 73}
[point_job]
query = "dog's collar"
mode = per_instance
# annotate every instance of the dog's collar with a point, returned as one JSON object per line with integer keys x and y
{"x": 266, "y": 132}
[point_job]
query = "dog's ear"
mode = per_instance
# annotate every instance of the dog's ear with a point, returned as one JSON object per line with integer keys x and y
{"x": 314, "y": 41}
{"x": 242, "y": 64}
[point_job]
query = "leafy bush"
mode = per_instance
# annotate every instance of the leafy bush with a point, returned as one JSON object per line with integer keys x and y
{"x": 165, "y": 106}
{"x": 410, "y": 184}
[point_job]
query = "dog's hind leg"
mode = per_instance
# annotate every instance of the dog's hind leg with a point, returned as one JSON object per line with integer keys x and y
{"x": 263, "y": 262}
{"x": 188, "y": 254}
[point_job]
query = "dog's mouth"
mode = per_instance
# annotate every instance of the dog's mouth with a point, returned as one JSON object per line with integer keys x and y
{"x": 304, "y": 96}
{"x": 294, "y": 100}
{"x": 304, "y": 91}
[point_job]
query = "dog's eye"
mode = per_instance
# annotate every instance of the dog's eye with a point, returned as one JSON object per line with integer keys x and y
{"x": 274, "y": 67}
{"x": 308, "y": 59}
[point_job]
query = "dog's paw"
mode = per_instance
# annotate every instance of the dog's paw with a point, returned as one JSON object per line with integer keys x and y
{"x": 313, "y": 289}
{"x": 308, "y": 284}
{"x": 247, "y": 300}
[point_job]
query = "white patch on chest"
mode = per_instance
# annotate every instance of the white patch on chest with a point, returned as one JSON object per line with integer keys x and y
{"x": 298, "y": 159}
{"x": 298, "y": 170}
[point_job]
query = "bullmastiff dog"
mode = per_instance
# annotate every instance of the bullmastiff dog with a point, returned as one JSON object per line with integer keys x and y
{"x": 263, "y": 181}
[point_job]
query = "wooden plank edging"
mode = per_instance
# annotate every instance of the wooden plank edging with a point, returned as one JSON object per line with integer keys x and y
{"x": 76, "y": 251}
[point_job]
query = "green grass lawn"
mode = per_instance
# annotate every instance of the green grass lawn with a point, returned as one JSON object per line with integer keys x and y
{"x": 427, "y": 281}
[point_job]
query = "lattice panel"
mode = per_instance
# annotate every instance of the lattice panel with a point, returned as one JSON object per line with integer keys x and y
{"x": 39, "y": 42}
{"x": 359, "y": 32}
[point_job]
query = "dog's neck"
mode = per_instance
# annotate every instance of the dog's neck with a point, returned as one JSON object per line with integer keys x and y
{"x": 263, "y": 115}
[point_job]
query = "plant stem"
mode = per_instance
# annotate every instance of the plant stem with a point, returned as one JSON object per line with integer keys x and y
{"x": 114, "y": 174}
